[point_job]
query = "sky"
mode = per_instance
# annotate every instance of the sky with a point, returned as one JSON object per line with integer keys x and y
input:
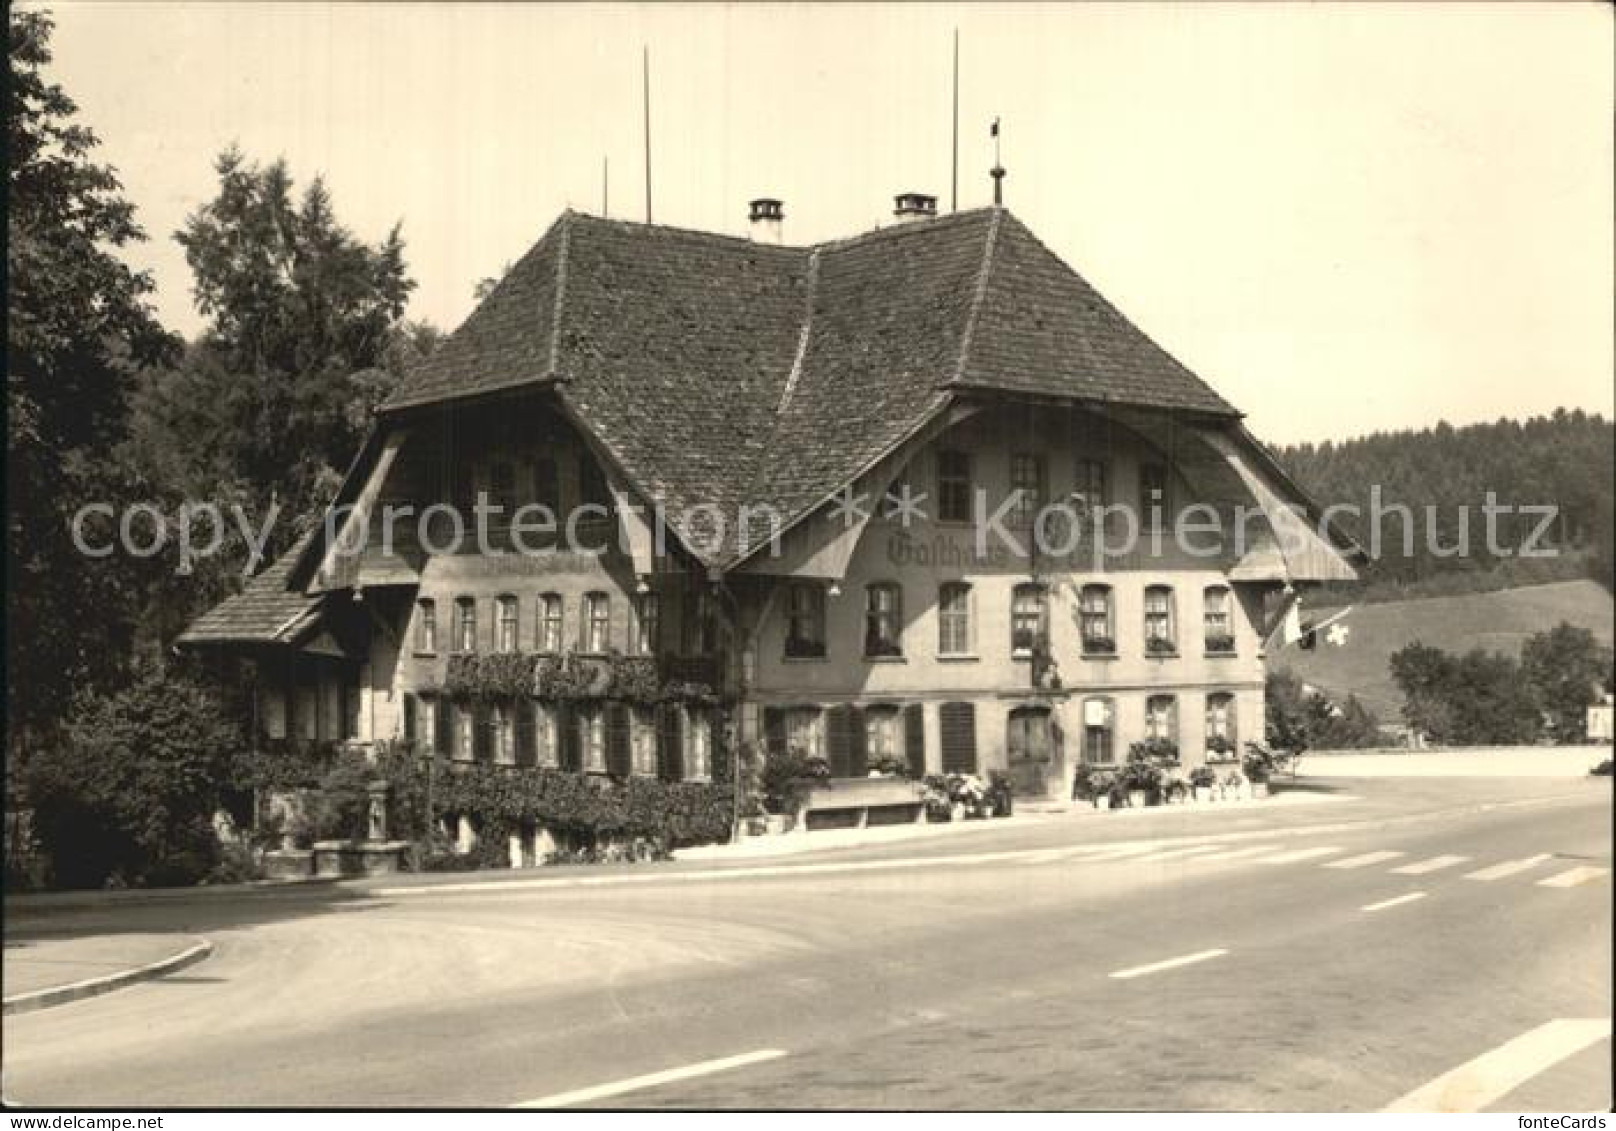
{"x": 1345, "y": 218}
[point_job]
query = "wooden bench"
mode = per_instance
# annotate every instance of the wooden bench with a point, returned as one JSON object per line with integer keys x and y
{"x": 855, "y": 798}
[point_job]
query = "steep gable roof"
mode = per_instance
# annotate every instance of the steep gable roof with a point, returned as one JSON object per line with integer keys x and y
{"x": 1042, "y": 329}
{"x": 721, "y": 371}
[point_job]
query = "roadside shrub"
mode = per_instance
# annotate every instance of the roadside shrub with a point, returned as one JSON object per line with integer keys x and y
{"x": 127, "y": 797}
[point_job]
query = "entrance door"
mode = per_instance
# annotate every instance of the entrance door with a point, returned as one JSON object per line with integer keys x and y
{"x": 1032, "y": 743}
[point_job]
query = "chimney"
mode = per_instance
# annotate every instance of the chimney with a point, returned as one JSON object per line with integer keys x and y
{"x": 768, "y": 217}
{"x": 911, "y": 206}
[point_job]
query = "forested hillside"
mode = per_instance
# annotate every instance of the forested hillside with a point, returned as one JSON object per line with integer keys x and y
{"x": 1564, "y": 460}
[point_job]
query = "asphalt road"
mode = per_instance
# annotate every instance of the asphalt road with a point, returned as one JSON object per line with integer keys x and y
{"x": 1396, "y": 955}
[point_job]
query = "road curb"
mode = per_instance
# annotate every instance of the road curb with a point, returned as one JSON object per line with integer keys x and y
{"x": 94, "y": 987}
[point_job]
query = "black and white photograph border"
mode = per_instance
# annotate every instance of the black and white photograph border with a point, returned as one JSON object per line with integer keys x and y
{"x": 771, "y": 558}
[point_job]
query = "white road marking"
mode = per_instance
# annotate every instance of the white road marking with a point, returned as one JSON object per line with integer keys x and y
{"x": 1493, "y": 1075}
{"x": 1234, "y": 853}
{"x": 1184, "y": 960}
{"x": 1572, "y": 878}
{"x": 1385, "y": 903}
{"x": 1364, "y": 860}
{"x": 1298, "y": 854}
{"x": 1507, "y": 868}
{"x": 1172, "y": 853}
{"x": 654, "y": 1079}
{"x": 1434, "y": 864}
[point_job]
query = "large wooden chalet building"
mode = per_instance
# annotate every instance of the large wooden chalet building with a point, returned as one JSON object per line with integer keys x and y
{"x": 639, "y": 367}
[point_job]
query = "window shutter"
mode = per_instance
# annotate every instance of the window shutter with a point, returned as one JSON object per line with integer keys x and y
{"x": 482, "y": 733}
{"x": 443, "y": 723}
{"x": 409, "y": 717}
{"x": 839, "y": 740}
{"x": 571, "y": 753}
{"x": 774, "y": 729}
{"x": 959, "y": 737}
{"x": 858, "y": 763}
{"x": 914, "y": 739}
{"x": 619, "y": 748}
{"x": 670, "y": 742}
{"x": 527, "y": 736}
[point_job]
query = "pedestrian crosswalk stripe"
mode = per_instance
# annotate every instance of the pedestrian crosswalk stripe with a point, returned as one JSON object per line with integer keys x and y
{"x": 1233, "y": 854}
{"x": 1396, "y": 901}
{"x": 1298, "y": 854}
{"x": 1364, "y": 860}
{"x": 1434, "y": 864}
{"x": 1171, "y": 853}
{"x": 1507, "y": 868}
{"x": 1572, "y": 878}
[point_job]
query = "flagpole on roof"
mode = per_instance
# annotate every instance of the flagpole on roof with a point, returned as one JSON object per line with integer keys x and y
{"x": 645, "y": 80}
{"x": 953, "y": 202}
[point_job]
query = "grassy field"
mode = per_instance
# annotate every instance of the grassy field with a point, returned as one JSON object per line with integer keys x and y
{"x": 1498, "y": 622}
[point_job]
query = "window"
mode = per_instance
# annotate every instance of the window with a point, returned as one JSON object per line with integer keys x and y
{"x": 465, "y": 746}
{"x": 1091, "y": 483}
{"x": 1221, "y": 738}
{"x": 1153, "y": 502}
{"x": 805, "y": 731}
{"x": 805, "y": 621}
{"x": 502, "y": 487}
{"x": 698, "y": 744}
{"x": 505, "y": 626}
{"x": 426, "y": 625}
{"x": 1094, "y": 611}
{"x": 643, "y": 722}
{"x": 1029, "y": 619}
{"x": 550, "y": 616}
{"x": 426, "y": 723}
{"x": 1027, "y": 478}
{"x": 465, "y": 624}
{"x": 953, "y": 486}
{"x": 547, "y": 734}
{"x": 1099, "y": 746}
{"x": 597, "y": 624}
{"x": 1217, "y": 613}
{"x": 504, "y": 736}
{"x": 547, "y": 484}
{"x": 1161, "y": 717}
{"x": 882, "y": 617}
{"x": 592, "y": 738}
{"x": 592, "y": 485}
{"x": 954, "y": 619}
{"x": 647, "y": 617}
{"x": 882, "y": 734}
{"x": 957, "y": 730}
{"x": 1159, "y": 620}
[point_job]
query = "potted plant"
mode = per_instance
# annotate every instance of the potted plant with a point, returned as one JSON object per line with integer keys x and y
{"x": 1160, "y": 646}
{"x": 1103, "y": 788}
{"x": 1221, "y": 645}
{"x": 939, "y": 806}
{"x": 1141, "y": 778}
{"x": 1202, "y": 779}
{"x": 1083, "y": 782}
{"x": 1099, "y": 646}
{"x": 1219, "y": 749}
{"x": 1235, "y": 787}
{"x": 1000, "y": 799}
{"x": 1175, "y": 788}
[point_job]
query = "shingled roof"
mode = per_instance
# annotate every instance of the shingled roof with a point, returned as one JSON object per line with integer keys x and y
{"x": 266, "y": 611}
{"x": 718, "y": 370}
